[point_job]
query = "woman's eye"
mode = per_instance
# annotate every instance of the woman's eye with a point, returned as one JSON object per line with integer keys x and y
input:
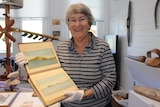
{"x": 82, "y": 19}
{"x": 72, "y": 20}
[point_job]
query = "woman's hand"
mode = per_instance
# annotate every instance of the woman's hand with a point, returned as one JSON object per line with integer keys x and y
{"x": 21, "y": 59}
{"x": 74, "y": 96}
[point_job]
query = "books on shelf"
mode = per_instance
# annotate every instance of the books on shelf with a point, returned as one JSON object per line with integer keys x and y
{"x": 47, "y": 78}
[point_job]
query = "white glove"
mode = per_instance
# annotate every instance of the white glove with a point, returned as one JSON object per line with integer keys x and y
{"x": 74, "y": 96}
{"x": 21, "y": 59}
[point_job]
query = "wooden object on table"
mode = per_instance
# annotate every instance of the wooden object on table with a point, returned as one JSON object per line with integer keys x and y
{"x": 137, "y": 58}
{"x": 153, "y": 61}
{"x": 152, "y": 93}
{"x": 46, "y": 76}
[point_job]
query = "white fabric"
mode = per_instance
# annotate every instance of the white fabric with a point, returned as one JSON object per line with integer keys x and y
{"x": 74, "y": 96}
{"x": 13, "y": 75}
{"x": 21, "y": 59}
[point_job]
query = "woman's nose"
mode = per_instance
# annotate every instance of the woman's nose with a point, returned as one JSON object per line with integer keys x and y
{"x": 77, "y": 23}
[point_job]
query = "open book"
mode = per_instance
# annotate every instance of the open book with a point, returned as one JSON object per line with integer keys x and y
{"x": 47, "y": 78}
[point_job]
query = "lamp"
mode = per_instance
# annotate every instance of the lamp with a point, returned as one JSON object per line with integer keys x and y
{"x": 14, "y": 4}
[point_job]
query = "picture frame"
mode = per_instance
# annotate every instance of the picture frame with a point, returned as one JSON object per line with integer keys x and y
{"x": 56, "y": 33}
{"x": 56, "y": 22}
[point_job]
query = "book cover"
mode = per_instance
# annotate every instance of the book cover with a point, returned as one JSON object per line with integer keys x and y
{"x": 46, "y": 76}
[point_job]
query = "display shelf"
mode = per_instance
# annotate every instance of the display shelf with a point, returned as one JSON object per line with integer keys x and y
{"x": 141, "y": 101}
{"x": 144, "y": 74}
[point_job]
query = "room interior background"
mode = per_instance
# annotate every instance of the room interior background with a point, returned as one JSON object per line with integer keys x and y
{"x": 110, "y": 17}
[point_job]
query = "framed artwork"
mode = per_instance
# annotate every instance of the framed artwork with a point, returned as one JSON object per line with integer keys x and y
{"x": 56, "y": 33}
{"x": 56, "y": 22}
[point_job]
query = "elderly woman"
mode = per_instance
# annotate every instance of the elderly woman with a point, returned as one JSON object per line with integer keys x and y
{"x": 87, "y": 60}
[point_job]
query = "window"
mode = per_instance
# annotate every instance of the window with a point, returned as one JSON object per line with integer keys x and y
{"x": 94, "y": 28}
{"x": 32, "y": 25}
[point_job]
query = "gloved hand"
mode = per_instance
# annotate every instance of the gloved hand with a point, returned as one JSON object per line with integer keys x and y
{"x": 74, "y": 96}
{"x": 21, "y": 59}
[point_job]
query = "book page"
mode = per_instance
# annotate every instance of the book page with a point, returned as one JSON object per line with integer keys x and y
{"x": 46, "y": 76}
{"x": 52, "y": 85}
{"x": 41, "y": 56}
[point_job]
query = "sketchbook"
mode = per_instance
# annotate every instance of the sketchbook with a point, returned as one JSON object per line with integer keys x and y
{"x": 47, "y": 78}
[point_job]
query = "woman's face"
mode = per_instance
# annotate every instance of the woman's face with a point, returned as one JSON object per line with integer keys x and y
{"x": 78, "y": 25}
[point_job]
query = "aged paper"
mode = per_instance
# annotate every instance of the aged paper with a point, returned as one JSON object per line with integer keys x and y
{"x": 41, "y": 56}
{"x": 46, "y": 76}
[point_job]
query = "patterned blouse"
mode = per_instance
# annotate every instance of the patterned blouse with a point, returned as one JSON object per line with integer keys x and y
{"x": 93, "y": 69}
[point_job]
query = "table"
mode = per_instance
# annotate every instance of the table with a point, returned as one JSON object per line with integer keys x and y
{"x": 25, "y": 99}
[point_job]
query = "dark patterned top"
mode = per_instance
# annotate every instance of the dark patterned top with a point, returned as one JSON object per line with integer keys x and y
{"x": 94, "y": 68}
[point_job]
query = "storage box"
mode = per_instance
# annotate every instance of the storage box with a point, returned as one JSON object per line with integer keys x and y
{"x": 119, "y": 98}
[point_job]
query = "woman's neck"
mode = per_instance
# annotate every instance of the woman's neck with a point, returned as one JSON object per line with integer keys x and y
{"x": 80, "y": 44}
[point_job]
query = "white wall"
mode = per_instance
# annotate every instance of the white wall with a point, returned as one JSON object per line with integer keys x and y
{"x": 117, "y": 25}
{"x": 144, "y": 34}
{"x": 144, "y": 28}
{"x": 31, "y": 8}
{"x": 58, "y": 10}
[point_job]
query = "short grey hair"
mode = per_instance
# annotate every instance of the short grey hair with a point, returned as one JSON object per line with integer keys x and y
{"x": 80, "y": 8}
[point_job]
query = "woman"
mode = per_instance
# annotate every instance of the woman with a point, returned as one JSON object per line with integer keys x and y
{"x": 88, "y": 61}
